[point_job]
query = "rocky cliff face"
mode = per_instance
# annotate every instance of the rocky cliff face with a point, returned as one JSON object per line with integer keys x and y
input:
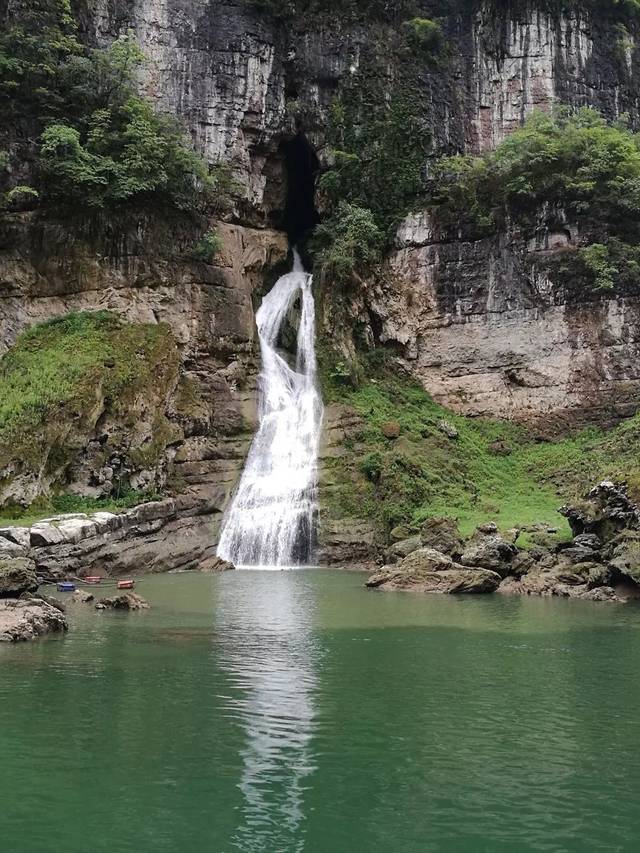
{"x": 208, "y": 309}
{"x": 241, "y": 77}
{"x": 483, "y": 330}
{"x": 488, "y": 332}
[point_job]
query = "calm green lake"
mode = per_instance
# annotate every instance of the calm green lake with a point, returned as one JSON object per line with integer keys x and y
{"x": 296, "y": 711}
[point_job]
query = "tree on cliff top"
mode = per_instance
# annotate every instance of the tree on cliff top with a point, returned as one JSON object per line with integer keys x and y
{"x": 76, "y": 115}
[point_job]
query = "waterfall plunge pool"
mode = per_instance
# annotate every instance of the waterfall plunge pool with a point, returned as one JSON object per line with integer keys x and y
{"x": 297, "y": 711}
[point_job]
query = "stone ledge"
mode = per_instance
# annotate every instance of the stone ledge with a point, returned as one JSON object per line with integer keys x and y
{"x": 161, "y": 536}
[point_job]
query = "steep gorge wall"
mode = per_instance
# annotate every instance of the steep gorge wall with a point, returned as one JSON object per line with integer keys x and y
{"x": 241, "y": 78}
{"x": 483, "y": 331}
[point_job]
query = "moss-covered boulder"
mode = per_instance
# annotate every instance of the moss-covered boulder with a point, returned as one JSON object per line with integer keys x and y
{"x": 443, "y": 535}
{"x": 83, "y": 404}
{"x": 427, "y": 570}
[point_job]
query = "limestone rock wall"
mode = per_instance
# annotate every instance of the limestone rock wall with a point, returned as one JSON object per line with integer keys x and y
{"x": 241, "y": 78}
{"x": 147, "y": 277}
{"x": 481, "y": 329}
{"x": 487, "y": 333}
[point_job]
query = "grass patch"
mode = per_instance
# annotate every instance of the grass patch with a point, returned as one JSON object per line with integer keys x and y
{"x": 62, "y": 376}
{"x": 424, "y": 473}
{"x": 65, "y": 503}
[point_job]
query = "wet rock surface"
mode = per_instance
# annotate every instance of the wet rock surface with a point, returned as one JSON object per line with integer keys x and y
{"x": 427, "y": 570}
{"x": 17, "y": 575}
{"x": 443, "y": 535}
{"x": 167, "y": 535}
{"x": 216, "y": 564}
{"x": 81, "y": 596}
{"x": 125, "y": 601}
{"x": 27, "y": 619}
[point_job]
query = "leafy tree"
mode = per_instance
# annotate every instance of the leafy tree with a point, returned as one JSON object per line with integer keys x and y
{"x": 566, "y": 163}
{"x": 570, "y": 160}
{"x": 349, "y": 241}
{"x": 94, "y": 141}
{"x": 38, "y": 36}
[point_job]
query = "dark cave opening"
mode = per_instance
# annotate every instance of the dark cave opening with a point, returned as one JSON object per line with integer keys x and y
{"x": 302, "y": 166}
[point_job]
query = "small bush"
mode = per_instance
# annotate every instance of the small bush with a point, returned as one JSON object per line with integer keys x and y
{"x": 209, "y": 245}
{"x": 425, "y": 36}
{"x": 571, "y": 164}
{"x": 371, "y": 466}
{"x": 101, "y": 145}
{"x": 597, "y": 260}
{"x": 349, "y": 243}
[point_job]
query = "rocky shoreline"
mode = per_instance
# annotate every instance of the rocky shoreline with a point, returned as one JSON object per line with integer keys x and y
{"x": 173, "y": 534}
{"x": 600, "y": 563}
{"x": 25, "y": 614}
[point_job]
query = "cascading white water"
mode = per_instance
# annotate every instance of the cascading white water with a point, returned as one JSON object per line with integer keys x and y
{"x": 271, "y": 519}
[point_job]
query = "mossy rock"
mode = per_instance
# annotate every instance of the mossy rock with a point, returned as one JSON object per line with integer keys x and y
{"x": 82, "y": 378}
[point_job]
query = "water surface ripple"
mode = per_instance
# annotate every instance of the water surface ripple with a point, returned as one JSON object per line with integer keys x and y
{"x": 294, "y": 711}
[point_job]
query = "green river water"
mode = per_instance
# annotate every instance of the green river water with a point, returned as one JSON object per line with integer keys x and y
{"x": 296, "y": 711}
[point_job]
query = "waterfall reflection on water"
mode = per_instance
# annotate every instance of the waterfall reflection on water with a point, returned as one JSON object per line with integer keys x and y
{"x": 269, "y": 651}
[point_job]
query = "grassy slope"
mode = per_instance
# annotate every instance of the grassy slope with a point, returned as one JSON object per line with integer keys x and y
{"x": 423, "y": 473}
{"x": 61, "y": 375}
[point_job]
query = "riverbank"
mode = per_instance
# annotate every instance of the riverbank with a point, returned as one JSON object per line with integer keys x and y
{"x": 599, "y": 562}
{"x": 160, "y": 536}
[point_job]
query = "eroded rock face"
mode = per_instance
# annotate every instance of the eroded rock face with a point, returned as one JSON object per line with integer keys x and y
{"x": 227, "y": 69}
{"x": 193, "y": 429}
{"x": 489, "y": 550}
{"x": 482, "y": 326}
{"x": 605, "y": 510}
{"x": 17, "y": 575}
{"x": 160, "y": 536}
{"x": 26, "y": 619}
{"x": 443, "y": 535}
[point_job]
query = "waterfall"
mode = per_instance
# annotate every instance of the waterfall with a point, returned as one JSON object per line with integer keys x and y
{"x": 271, "y": 519}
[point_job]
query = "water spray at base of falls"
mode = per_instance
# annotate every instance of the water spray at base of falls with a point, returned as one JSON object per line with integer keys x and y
{"x": 271, "y": 520}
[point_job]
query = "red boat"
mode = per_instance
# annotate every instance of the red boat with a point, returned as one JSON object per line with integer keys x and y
{"x": 126, "y": 584}
{"x": 92, "y": 579}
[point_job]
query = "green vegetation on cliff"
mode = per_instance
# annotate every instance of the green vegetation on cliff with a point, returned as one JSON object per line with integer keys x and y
{"x": 566, "y": 166}
{"x": 64, "y": 376}
{"x": 89, "y": 140}
{"x": 379, "y": 139}
{"x": 411, "y": 459}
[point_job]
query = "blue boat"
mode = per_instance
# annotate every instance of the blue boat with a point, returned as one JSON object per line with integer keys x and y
{"x": 66, "y": 586}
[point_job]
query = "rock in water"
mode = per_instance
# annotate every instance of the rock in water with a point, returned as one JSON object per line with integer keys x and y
{"x": 450, "y": 581}
{"x": 217, "y": 564}
{"x": 26, "y": 619}
{"x": 81, "y": 596}
{"x": 427, "y": 570}
{"x": 17, "y": 575}
{"x": 126, "y": 601}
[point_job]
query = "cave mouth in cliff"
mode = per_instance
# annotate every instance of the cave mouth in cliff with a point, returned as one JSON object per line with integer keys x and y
{"x": 302, "y": 166}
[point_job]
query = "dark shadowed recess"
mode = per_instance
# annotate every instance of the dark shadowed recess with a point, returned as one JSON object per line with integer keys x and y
{"x": 301, "y": 165}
